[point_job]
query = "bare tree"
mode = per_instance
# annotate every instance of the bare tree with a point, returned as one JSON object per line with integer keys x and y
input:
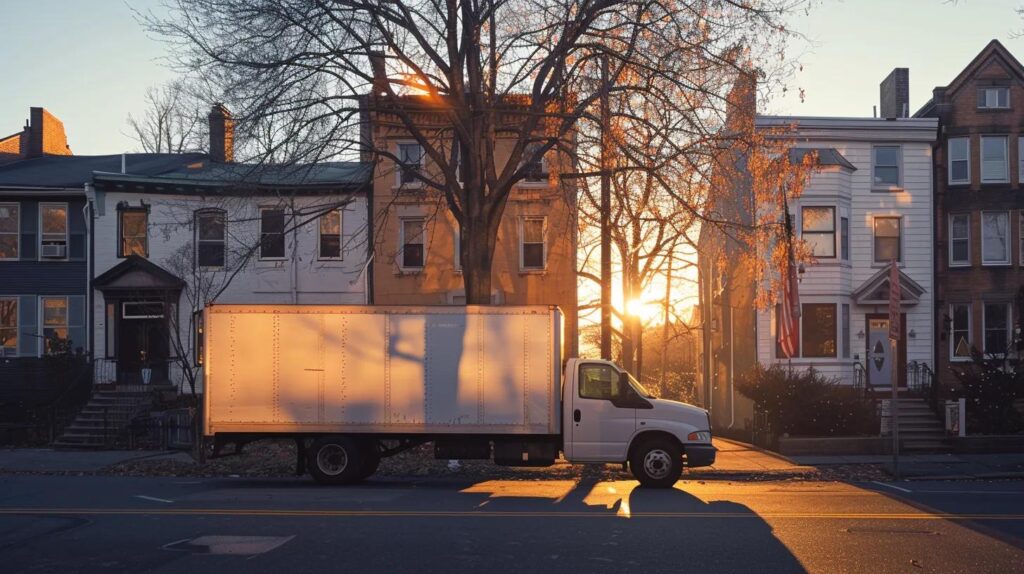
{"x": 471, "y": 81}
{"x": 174, "y": 121}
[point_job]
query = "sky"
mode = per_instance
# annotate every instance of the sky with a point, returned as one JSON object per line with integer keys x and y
{"x": 89, "y": 61}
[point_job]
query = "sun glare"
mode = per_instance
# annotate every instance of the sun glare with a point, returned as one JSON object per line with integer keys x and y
{"x": 645, "y": 310}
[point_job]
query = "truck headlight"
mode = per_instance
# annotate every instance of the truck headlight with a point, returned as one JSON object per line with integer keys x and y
{"x": 699, "y": 436}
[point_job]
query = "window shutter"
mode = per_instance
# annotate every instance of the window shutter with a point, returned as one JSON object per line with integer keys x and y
{"x": 28, "y": 327}
{"x": 29, "y": 223}
{"x": 76, "y": 323}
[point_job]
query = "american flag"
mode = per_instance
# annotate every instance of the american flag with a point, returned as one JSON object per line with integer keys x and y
{"x": 789, "y": 315}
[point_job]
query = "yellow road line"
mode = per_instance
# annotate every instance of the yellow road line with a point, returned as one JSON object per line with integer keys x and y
{"x": 498, "y": 514}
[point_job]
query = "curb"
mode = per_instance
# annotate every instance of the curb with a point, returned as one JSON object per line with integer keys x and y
{"x": 763, "y": 451}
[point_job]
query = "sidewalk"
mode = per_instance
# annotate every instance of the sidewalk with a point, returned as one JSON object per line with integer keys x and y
{"x": 933, "y": 466}
{"x": 50, "y": 460}
{"x": 735, "y": 456}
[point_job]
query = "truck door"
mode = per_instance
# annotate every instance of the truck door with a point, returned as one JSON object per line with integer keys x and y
{"x": 600, "y": 431}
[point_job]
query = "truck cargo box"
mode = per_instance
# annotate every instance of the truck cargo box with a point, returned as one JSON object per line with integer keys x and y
{"x": 382, "y": 369}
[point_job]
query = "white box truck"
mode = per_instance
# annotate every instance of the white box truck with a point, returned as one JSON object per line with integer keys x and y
{"x": 352, "y": 384}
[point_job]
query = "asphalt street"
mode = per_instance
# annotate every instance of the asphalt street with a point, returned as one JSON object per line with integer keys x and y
{"x": 114, "y": 524}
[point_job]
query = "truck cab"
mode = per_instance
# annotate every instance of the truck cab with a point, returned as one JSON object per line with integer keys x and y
{"x": 609, "y": 417}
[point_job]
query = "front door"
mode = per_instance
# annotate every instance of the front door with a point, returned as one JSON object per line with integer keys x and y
{"x": 879, "y": 353}
{"x": 142, "y": 342}
{"x": 600, "y": 430}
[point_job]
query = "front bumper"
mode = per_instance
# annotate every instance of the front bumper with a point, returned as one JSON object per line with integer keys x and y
{"x": 699, "y": 455}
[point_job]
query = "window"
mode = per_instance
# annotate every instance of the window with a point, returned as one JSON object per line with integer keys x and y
{"x": 819, "y": 330}
{"x": 844, "y": 238}
{"x": 886, "y": 162}
{"x": 413, "y": 255}
{"x": 133, "y": 224}
{"x": 995, "y": 237}
{"x": 997, "y": 328}
{"x": 845, "y": 330}
{"x": 53, "y": 218}
{"x": 536, "y": 170}
{"x": 532, "y": 248}
{"x": 272, "y": 233}
{"x": 960, "y": 331}
{"x": 330, "y": 235}
{"x": 959, "y": 239}
{"x": 996, "y": 97}
{"x": 598, "y": 382}
{"x": 1020, "y": 159}
{"x": 111, "y": 331}
{"x": 142, "y": 310}
{"x": 818, "y": 229}
{"x": 887, "y": 239}
{"x": 959, "y": 160}
{"x": 10, "y": 226}
{"x": 211, "y": 244}
{"x": 1021, "y": 235}
{"x": 55, "y": 323}
{"x": 993, "y": 159}
{"x": 457, "y": 248}
{"x": 410, "y": 158}
{"x": 8, "y": 326}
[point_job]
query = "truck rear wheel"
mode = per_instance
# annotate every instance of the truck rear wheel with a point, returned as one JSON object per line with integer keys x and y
{"x": 657, "y": 463}
{"x": 337, "y": 460}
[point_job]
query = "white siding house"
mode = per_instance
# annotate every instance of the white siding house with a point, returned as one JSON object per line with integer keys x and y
{"x": 869, "y": 199}
{"x": 166, "y": 246}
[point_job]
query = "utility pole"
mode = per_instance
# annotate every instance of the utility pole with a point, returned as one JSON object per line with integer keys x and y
{"x": 606, "y": 208}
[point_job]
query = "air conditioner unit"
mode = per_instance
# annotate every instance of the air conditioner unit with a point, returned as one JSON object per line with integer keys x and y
{"x": 56, "y": 251}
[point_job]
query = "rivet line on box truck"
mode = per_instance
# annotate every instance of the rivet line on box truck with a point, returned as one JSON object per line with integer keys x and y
{"x": 352, "y": 384}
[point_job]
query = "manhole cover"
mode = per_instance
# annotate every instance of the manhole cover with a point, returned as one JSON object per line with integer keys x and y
{"x": 229, "y": 545}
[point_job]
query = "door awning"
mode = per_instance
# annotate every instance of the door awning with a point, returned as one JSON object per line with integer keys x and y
{"x": 138, "y": 275}
{"x": 875, "y": 291}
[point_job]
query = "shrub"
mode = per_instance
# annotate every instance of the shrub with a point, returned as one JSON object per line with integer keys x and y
{"x": 807, "y": 403}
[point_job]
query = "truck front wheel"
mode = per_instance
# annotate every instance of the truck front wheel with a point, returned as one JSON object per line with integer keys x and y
{"x": 657, "y": 463}
{"x": 336, "y": 460}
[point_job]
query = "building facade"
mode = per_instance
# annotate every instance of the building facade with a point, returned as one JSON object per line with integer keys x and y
{"x": 978, "y": 167}
{"x": 416, "y": 240}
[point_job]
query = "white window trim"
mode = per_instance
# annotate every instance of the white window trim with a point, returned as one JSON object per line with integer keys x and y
{"x": 1006, "y": 158}
{"x": 341, "y": 237}
{"x": 125, "y": 315}
{"x": 949, "y": 152}
{"x": 952, "y": 338}
{"x": 259, "y": 254}
{"x": 1009, "y": 242}
{"x": 953, "y": 263}
{"x": 544, "y": 245}
{"x": 902, "y": 248}
{"x": 67, "y": 231}
{"x": 17, "y": 325}
{"x": 121, "y": 254}
{"x": 1020, "y": 159}
{"x": 196, "y": 214}
{"x": 984, "y": 330}
{"x": 983, "y": 101}
{"x": 456, "y": 248}
{"x": 835, "y": 230}
{"x": 401, "y": 243}
{"x": 545, "y": 166}
{"x": 398, "y": 166}
{"x": 898, "y": 186}
{"x": 41, "y": 323}
{"x": 17, "y": 233}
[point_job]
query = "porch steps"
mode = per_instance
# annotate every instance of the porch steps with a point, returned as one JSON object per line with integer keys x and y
{"x": 103, "y": 419}
{"x": 920, "y": 428}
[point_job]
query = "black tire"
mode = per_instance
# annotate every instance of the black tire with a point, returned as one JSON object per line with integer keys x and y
{"x": 336, "y": 460}
{"x": 657, "y": 463}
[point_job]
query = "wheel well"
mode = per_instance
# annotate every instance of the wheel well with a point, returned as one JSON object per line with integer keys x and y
{"x": 647, "y": 435}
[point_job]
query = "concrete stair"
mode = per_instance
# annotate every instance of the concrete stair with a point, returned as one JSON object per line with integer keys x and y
{"x": 103, "y": 421}
{"x": 921, "y": 430}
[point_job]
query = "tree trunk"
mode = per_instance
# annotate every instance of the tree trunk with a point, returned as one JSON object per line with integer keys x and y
{"x": 477, "y": 253}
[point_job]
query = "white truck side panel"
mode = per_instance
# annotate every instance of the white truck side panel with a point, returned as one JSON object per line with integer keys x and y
{"x": 301, "y": 368}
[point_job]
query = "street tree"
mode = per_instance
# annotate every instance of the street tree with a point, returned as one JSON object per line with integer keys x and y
{"x": 509, "y": 78}
{"x": 173, "y": 120}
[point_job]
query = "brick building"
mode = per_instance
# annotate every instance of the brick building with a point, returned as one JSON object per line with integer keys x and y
{"x": 979, "y": 207}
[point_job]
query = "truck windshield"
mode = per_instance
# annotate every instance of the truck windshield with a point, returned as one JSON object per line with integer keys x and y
{"x": 640, "y": 388}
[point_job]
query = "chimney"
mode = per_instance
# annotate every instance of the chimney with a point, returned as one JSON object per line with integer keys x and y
{"x": 222, "y": 134}
{"x": 380, "y": 75}
{"x": 741, "y": 102}
{"x": 44, "y": 135}
{"x": 894, "y": 94}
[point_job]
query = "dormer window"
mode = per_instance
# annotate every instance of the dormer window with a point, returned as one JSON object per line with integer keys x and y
{"x": 994, "y": 97}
